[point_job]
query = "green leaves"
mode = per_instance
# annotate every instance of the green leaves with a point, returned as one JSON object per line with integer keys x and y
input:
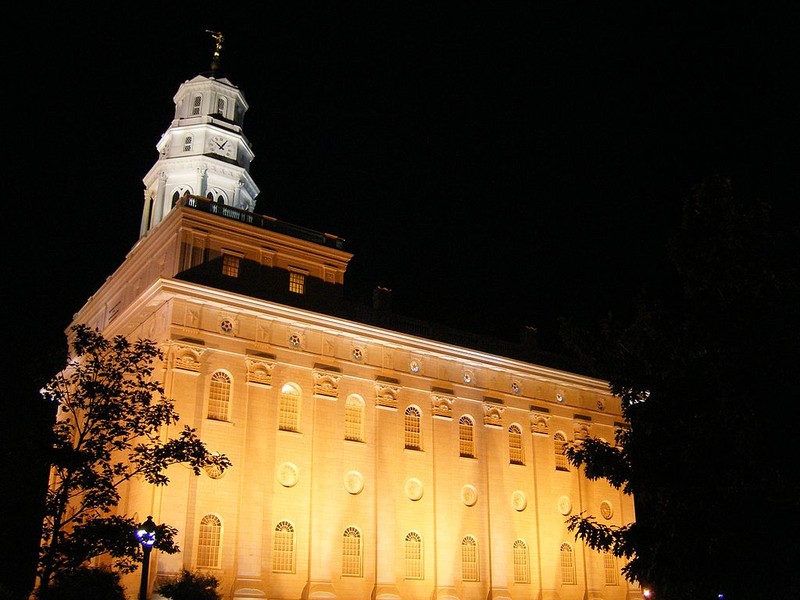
{"x": 111, "y": 420}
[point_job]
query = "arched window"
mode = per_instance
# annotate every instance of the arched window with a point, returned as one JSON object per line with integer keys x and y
{"x": 179, "y": 193}
{"x": 521, "y": 570}
{"x": 559, "y": 446}
{"x": 515, "y": 451}
{"x": 289, "y": 409}
{"x": 568, "y": 575}
{"x": 283, "y": 548}
{"x": 209, "y": 541}
{"x": 413, "y": 555}
{"x": 196, "y": 104}
{"x": 413, "y": 428}
{"x": 351, "y": 552}
{"x": 469, "y": 559}
{"x": 466, "y": 437}
{"x": 219, "y": 396}
{"x": 354, "y": 419}
{"x": 610, "y": 568}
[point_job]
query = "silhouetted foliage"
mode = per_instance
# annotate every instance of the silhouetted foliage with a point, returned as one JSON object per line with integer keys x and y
{"x": 86, "y": 583}
{"x": 191, "y": 586}
{"x": 109, "y": 429}
{"x": 705, "y": 370}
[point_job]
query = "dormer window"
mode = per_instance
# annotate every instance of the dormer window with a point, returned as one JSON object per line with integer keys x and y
{"x": 198, "y": 101}
{"x": 230, "y": 265}
{"x": 297, "y": 283}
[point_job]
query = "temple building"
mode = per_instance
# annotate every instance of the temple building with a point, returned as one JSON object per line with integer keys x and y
{"x": 374, "y": 456}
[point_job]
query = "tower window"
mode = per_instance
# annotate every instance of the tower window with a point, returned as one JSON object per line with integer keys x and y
{"x": 221, "y": 106}
{"x": 297, "y": 283}
{"x": 187, "y": 143}
{"x": 198, "y": 101}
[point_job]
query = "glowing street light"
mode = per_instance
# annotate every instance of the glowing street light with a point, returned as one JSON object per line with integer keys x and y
{"x": 146, "y": 534}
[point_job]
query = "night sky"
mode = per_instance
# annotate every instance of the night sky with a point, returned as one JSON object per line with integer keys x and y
{"x": 494, "y": 167}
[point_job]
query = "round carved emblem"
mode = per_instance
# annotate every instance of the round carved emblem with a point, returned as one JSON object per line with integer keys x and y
{"x": 564, "y": 505}
{"x": 414, "y": 489}
{"x": 353, "y": 482}
{"x": 287, "y": 474}
{"x": 469, "y": 495}
{"x": 519, "y": 501}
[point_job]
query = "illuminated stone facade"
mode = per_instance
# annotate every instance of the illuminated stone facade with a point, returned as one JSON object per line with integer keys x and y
{"x": 369, "y": 461}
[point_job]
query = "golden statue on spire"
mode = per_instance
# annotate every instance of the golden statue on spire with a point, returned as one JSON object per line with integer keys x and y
{"x": 218, "y": 38}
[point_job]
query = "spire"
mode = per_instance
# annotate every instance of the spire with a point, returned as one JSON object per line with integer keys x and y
{"x": 218, "y": 38}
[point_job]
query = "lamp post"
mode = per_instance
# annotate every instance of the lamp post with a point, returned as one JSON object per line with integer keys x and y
{"x": 146, "y": 534}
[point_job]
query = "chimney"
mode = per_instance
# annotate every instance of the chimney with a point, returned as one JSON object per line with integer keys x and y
{"x": 382, "y": 299}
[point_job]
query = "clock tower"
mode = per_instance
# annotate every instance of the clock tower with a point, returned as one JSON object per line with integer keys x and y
{"x": 204, "y": 151}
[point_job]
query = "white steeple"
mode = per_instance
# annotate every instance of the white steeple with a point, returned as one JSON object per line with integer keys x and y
{"x": 203, "y": 152}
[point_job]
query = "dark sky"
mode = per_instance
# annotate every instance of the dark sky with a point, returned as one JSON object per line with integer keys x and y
{"x": 496, "y": 167}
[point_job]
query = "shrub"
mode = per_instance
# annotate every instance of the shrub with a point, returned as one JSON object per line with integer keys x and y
{"x": 191, "y": 586}
{"x": 86, "y": 583}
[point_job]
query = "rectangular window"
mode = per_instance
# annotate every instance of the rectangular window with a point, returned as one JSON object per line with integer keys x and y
{"x": 413, "y": 431}
{"x": 521, "y": 571}
{"x": 187, "y": 143}
{"x": 288, "y": 414}
{"x": 230, "y": 265}
{"x": 469, "y": 560}
{"x": 466, "y": 444}
{"x": 352, "y": 421}
{"x": 283, "y": 551}
{"x": 297, "y": 283}
{"x": 610, "y": 567}
{"x": 413, "y": 556}
{"x": 209, "y": 541}
{"x": 351, "y": 554}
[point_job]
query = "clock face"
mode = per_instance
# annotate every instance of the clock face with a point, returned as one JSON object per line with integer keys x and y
{"x": 221, "y": 145}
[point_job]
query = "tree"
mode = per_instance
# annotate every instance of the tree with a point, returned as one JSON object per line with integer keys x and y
{"x": 87, "y": 583}
{"x": 705, "y": 369}
{"x": 191, "y": 586}
{"x": 110, "y": 428}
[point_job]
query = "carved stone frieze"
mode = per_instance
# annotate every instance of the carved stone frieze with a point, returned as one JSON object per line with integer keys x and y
{"x": 326, "y": 384}
{"x": 540, "y": 423}
{"x": 187, "y": 357}
{"x": 493, "y": 414}
{"x": 259, "y": 371}
{"x": 386, "y": 395}
{"x": 442, "y": 406}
